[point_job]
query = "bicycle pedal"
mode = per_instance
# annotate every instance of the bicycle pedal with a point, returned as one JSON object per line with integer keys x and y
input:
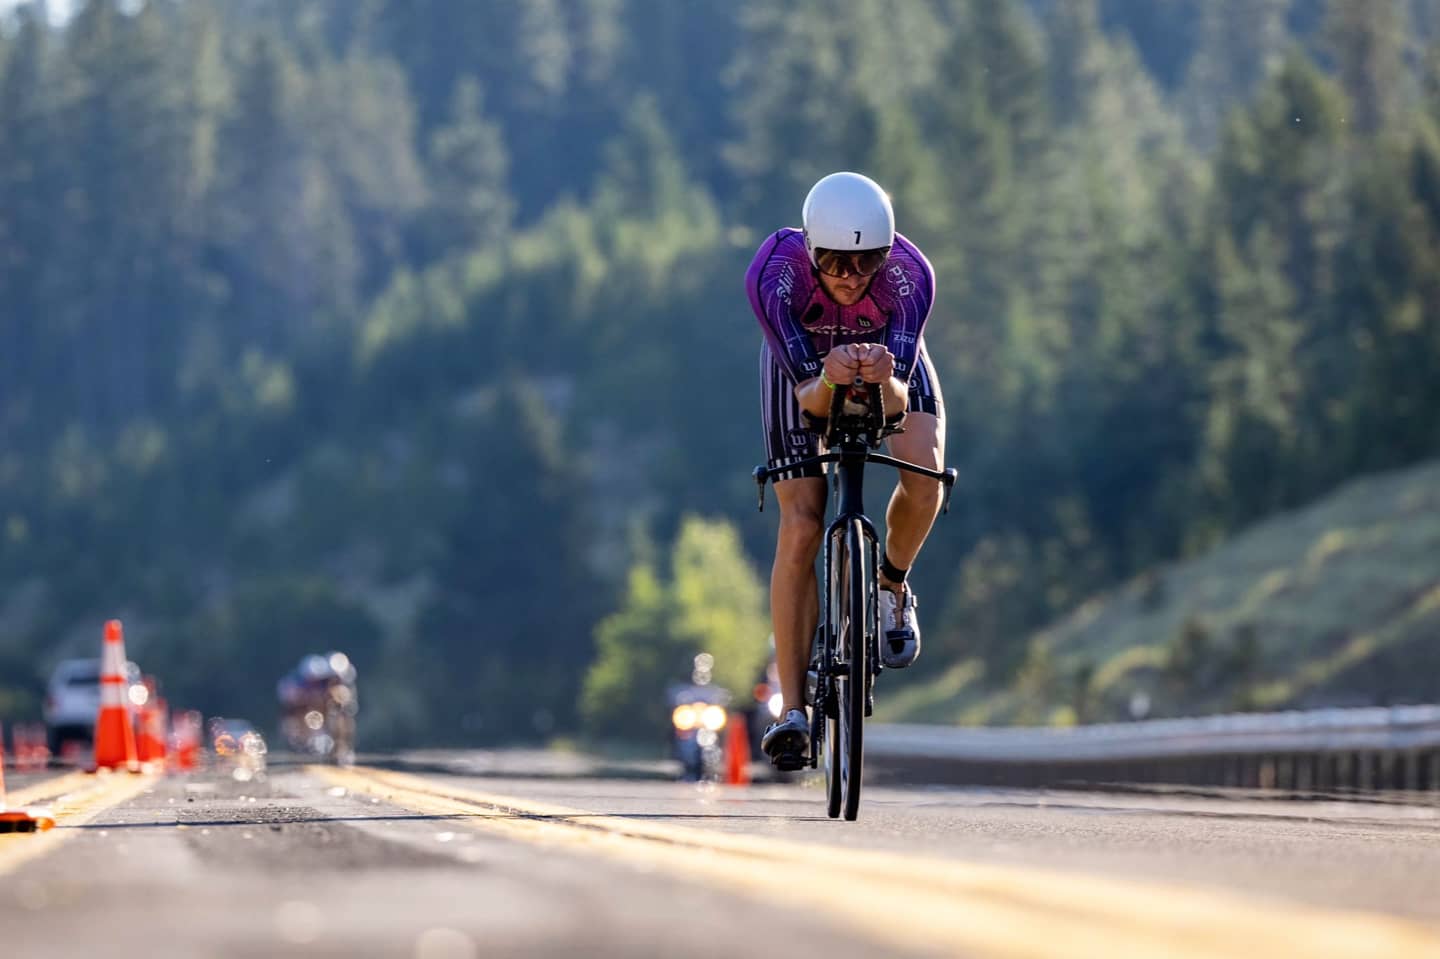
{"x": 790, "y": 762}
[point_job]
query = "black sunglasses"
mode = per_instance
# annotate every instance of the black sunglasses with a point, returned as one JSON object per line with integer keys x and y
{"x": 843, "y": 263}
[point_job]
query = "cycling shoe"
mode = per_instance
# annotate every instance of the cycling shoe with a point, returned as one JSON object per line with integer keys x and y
{"x": 900, "y": 631}
{"x": 787, "y": 741}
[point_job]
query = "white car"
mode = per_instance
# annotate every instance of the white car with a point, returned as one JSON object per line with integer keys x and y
{"x": 72, "y": 700}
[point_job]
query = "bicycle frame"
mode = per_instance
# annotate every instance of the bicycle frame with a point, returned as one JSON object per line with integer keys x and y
{"x": 849, "y": 483}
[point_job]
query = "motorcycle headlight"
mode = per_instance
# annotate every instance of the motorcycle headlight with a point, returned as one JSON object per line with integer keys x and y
{"x": 713, "y": 718}
{"x": 684, "y": 718}
{"x": 777, "y": 703}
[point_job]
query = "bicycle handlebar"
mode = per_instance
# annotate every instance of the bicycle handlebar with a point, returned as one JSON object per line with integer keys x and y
{"x": 946, "y": 477}
{"x": 868, "y": 429}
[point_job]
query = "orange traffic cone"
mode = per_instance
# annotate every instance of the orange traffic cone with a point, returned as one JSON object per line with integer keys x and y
{"x": 161, "y": 729}
{"x": 17, "y": 820}
{"x": 185, "y": 732}
{"x": 150, "y": 736}
{"x": 114, "y": 733}
{"x": 31, "y": 751}
{"x": 737, "y": 755}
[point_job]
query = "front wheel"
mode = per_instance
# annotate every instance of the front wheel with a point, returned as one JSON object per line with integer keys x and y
{"x": 857, "y": 616}
{"x": 850, "y": 610}
{"x": 830, "y": 705}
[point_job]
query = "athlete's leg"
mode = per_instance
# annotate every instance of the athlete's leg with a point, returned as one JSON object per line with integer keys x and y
{"x": 794, "y": 596}
{"x": 908, "y": 519}
{"x": 794, "y": 604}
{"x": 916, "y": 500}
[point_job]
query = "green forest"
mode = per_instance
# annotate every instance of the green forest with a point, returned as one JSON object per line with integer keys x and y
{"x": 416, "y": 328}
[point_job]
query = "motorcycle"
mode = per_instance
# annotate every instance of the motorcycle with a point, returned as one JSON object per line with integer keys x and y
{"x": 699, "y": 714}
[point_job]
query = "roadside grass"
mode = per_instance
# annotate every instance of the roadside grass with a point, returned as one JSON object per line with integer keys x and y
{"x": 1305, "y": 609}
{"x": 931, "y": 702}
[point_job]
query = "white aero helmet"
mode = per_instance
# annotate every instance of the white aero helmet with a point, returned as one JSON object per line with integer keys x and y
{"x": 847, "y": 211}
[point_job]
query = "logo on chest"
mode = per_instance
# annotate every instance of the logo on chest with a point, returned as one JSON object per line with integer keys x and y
{"x": 817, "y": 319}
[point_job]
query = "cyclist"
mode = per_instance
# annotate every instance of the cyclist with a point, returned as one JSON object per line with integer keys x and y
{"x": 844, "y": 297}
{"x": 318, "y": 704}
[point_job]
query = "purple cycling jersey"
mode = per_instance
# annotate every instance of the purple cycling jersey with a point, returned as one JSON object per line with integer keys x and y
{"x": 802, "y": 322}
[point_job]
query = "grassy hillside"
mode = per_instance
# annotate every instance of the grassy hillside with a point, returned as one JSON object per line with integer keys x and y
{"x": 1334, "y": 604}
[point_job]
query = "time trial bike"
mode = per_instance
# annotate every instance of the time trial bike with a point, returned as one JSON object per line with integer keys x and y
{"x": 845, "y": 657}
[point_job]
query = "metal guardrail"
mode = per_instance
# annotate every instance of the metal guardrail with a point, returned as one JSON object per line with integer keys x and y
{"x": 1317, "y": 750}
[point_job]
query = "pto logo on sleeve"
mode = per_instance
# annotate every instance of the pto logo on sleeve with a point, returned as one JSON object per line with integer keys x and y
{"x": 900, "y": 280}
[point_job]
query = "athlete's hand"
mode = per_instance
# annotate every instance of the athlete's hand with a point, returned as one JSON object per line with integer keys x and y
{"x": 877, "y": 364}
{"x": 842, "y": 364}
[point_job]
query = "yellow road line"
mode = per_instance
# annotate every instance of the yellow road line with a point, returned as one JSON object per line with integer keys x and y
{"x": 49, "y": 789}
{"x": 79, "y": 798}
{"x": 928, "y": 904}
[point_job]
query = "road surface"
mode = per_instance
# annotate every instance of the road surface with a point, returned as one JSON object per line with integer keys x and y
{"x": 484, "y": 855}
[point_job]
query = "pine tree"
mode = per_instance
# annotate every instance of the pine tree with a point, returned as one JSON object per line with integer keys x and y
{"x": 680, "y": 54}
{"x": 1281, "y": 165}
{"x": 1277, "y": 221}
{"x": 470, "y": 202}
{"x": 1241, "y": 43}
{"x": 1381, "y": 357}
{"x": 257, "y": 230}
{"x": 126, "y": 153}
{"x": 28, "y": 193}
{"x": 1075, "y": 57}
{"x": 515, "y": 542}
{"x": 1251, "y": 434}
{"x": 1366, "y": 41}
{"x": 814, "y": 80}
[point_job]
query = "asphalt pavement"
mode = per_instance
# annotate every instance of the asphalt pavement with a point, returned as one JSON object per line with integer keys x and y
{"x": 485, "y": 854}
